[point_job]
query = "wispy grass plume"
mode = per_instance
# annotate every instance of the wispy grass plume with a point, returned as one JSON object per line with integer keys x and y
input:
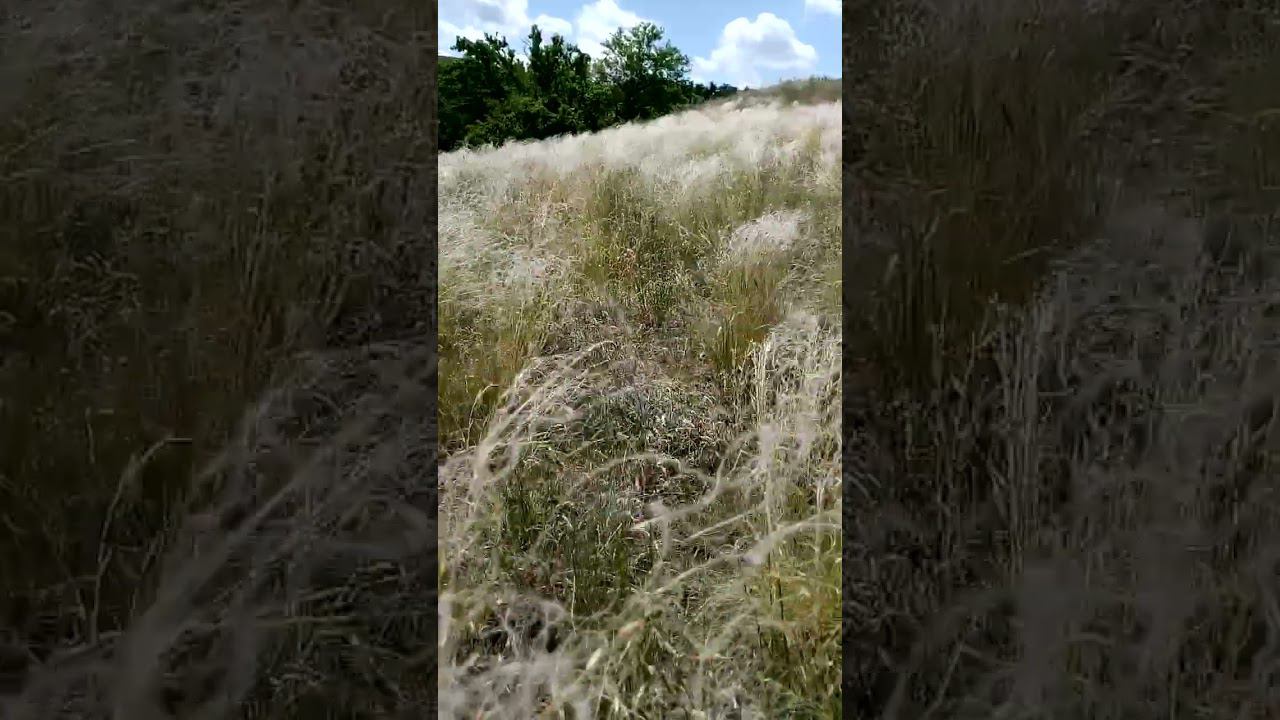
{"x": 641, "y": 517}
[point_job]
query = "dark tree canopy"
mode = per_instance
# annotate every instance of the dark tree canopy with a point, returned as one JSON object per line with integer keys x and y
{"x": 489, "y": 95}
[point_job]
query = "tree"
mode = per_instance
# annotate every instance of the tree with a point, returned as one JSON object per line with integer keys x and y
{"x": 453, "y": 120}
{"x": 561, "y": 77}
{"x": 473, "y": 87}
{"x": 646, "y": 75}
{"x": 487, "y": 96}
{"x": 519, "y": 116}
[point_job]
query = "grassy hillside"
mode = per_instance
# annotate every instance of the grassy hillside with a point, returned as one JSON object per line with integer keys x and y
{"x": 1061, "y": 305}
{"x": 639, "y": 383}
{"x": 809, "y": 90}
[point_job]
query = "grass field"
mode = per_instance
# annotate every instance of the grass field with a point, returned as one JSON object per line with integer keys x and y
{"x": 1061, "y": 310}
{"x": 218, "y": 375}
{"x": 218, "y": 431}
{"x": 639, "y": 416}
{"x": 216, "y": 419}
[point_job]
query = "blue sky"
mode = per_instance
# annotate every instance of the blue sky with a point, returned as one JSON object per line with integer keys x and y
{"x": 750, "y": 43}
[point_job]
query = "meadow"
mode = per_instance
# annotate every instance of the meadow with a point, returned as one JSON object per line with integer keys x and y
{"x": 216, "y": 361}
{"x": 639, "y": 417}
{"x": 1060, "y": 314}
{"x": 1054, "y": 492}
{"x": 218, "y": 385}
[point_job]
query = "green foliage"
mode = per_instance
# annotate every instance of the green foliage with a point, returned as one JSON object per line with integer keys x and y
{"x": 561, "y": 77}
{"x": 646, "y": 75}
{"x": 477, "y": 87}
{"x": 489, "y": 96}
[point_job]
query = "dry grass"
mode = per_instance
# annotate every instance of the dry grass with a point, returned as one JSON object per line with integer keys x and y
{"x": 807, "y": 91}
{"x": 217, "y": 291}
{"x": 1062, "y": 308}
{"x": 639, "y": 501}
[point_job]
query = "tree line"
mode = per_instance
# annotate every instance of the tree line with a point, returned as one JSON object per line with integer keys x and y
{"x": 490, "y": 96}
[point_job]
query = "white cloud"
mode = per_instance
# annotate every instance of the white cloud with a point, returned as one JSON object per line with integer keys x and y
{"x": 449, "y": 34}
{"x": 554, "y": 25}
{"x": 598, "y": 20}
{"x": 471, "y": 19}
{"x": 823, "y": 6}
{"x": 507, "y": 18}
{"x": 747, "y": 48}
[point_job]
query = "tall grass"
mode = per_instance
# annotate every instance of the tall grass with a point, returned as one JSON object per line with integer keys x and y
{"x": 1061, "y": 306}
{"x": 217, "y": 288}
{"x": 640, "y": 516}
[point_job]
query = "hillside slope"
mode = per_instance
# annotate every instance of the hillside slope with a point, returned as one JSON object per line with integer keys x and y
{"x": 639, "y": 392}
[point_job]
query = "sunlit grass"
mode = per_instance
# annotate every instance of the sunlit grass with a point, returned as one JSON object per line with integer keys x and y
{"x": 651, "y": 482}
